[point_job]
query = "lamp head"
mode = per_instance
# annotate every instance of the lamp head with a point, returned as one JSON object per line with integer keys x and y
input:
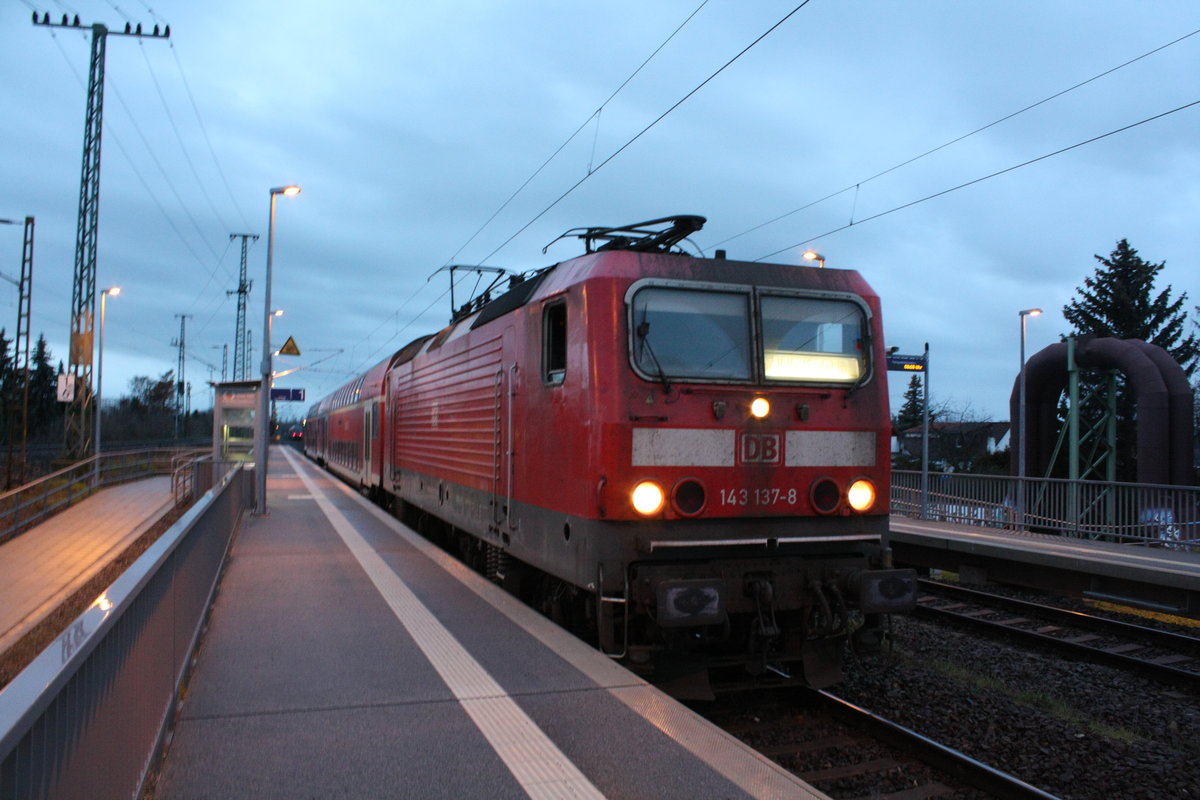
{"x": 813, "y": 255}
{"x": 112, "y": 291}
{"x": 286, "y": 191}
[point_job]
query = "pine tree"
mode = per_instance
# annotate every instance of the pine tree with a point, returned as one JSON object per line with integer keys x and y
{"x": 1116, "y": 301}
{"x": 44, "y": 408}
{"x": 912, "y": 413}
{"x": 1119, "y": 301}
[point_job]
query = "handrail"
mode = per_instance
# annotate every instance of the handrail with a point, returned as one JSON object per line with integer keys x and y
{"x": 104, "y": 692}
{"x": 27, "y": 506}
{"x": 1130, "y": 513}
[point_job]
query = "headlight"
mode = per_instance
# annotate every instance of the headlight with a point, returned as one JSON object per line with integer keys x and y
{"x": 647, "y": 498}
{"x": 861, "y": 495}
{"x": 759, "y": 408}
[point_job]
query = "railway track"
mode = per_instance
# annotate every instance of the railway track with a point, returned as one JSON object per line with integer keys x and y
{"x": 1170, "y": 657}
{"x": 848, "y": 752}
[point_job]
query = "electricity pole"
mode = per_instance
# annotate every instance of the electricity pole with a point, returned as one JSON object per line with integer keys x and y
{"x": 20, "y": 411}
{"x": 240, "y": 355}
{"x": 181, "y": 343}
{"x": 77, "y": 429}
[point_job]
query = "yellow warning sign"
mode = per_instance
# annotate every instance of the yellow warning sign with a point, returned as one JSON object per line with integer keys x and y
{"x": 289, "y": 348}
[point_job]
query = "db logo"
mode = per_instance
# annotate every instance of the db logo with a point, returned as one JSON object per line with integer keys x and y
{"x": 760, "y": 448}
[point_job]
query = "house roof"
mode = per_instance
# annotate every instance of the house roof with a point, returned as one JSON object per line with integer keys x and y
{"x": 992, "y": 430}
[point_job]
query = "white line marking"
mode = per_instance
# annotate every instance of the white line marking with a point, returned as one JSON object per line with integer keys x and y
{"x": 300, "y": 497}
{"x": 755, "y": 774}
{"x": 536, "y": 762}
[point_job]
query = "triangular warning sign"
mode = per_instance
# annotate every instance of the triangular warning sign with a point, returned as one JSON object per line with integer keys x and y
{"x": 289, "y": 348}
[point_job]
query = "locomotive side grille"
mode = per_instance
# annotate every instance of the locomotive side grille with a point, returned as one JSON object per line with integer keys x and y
{"x": 446, "y": 414}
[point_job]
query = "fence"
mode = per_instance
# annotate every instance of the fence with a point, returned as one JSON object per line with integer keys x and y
{"x": 26, "y": 506}
{"x": 86, "y": 718}
{"x": 1118, "y": 512}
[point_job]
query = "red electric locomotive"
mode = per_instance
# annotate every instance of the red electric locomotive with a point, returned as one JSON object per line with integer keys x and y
{"x": 689, "y": 454}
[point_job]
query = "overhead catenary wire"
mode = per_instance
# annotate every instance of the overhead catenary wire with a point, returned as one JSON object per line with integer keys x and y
{"x": 981, "y": 179}
{"x": 644, "y": 130}
{"x": 370, "y": 358}
{"x": 595, "y": 115}
{"x": 199, "y": 183}
{"x": 133, "y": 165}
{"x": 857, "y": 184}
{"x": 207, "y": 141}
{"x": 210, "y": 267}
{"x": 187, "y": 87}
{"x": 162, "y": 171}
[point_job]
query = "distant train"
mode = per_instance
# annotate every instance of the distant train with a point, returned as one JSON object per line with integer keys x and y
{"x": 686, "y": 457}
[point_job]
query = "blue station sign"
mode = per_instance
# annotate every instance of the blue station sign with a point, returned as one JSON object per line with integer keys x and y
{"x": 288, "y": 395}
{"x": 901, "y": 363}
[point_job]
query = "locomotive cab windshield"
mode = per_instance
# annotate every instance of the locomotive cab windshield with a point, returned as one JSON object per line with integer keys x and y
{"x": 732, "y": 334}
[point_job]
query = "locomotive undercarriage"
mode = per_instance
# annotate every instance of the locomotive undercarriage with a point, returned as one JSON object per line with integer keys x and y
{"x": 786, "y": 610}
{"x": 787, "y": 616}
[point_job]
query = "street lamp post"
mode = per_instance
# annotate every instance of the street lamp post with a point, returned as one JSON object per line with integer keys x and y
{"x": 264, "y": 428}
{"x": 1027, "y": 312}
{"x": 112, "y": 291}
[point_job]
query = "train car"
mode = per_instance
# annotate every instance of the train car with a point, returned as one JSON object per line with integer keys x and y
{"x": 689, "y": 454}
{"x": 342, "y": 431}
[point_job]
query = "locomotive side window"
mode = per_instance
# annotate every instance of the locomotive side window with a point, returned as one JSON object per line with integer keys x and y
{"x": 809, "y": 339}
{"x": 684, "y": 333}
{"x": 554, "y": 343}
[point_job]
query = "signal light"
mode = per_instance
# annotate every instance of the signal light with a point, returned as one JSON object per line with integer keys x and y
{"x": 861, "y": 495}
{"x": 825, "y": 496}
{"x": 647, "y": 498}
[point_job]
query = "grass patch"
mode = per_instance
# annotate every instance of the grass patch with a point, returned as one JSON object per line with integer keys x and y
{"x": 1053, "y": 707}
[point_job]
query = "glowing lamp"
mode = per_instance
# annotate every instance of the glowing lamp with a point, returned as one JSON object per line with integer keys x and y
{"x": 647, "y": 498}
{"x": 861, "y": 495}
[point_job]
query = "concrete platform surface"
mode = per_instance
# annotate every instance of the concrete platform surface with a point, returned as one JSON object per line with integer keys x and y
{"x": 45, "y": 565}
{"x": 347, "y": 657}
{"x": 1163, "y": 579}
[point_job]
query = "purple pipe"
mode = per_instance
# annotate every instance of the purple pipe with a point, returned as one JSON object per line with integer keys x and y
{"x": 1180, "y": 404}
{"x": 1164, "y": 405}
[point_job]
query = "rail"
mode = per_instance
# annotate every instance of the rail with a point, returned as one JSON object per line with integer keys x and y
{"x": 1137, "y": 513}
{"x": 87, "y": 717}
{"x": 27, "y": 506}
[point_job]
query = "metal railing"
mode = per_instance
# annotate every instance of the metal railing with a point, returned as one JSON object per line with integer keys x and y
{"x": 1118, "y": 512}
{"x": 26, "y": 506}
{"x": 87, "y": 717}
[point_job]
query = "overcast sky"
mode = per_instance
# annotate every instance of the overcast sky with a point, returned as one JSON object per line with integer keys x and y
{"x": 409, "y": 125}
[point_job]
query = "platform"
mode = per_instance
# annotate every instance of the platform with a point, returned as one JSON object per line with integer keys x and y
{"x": 1155, "y": 578}
{"x": 347, "y": 657}
{"x": 45, "y": 565}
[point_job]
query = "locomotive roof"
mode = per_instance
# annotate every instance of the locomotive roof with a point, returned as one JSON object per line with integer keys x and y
{"x": 629, "y": 265}
{"x": 633, "y": 265}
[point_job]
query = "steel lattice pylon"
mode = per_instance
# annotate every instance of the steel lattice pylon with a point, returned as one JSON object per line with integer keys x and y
{"x": 78, "y": 425}
{"x": 77, "y": 428}
{"x": 240, "y": 354}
